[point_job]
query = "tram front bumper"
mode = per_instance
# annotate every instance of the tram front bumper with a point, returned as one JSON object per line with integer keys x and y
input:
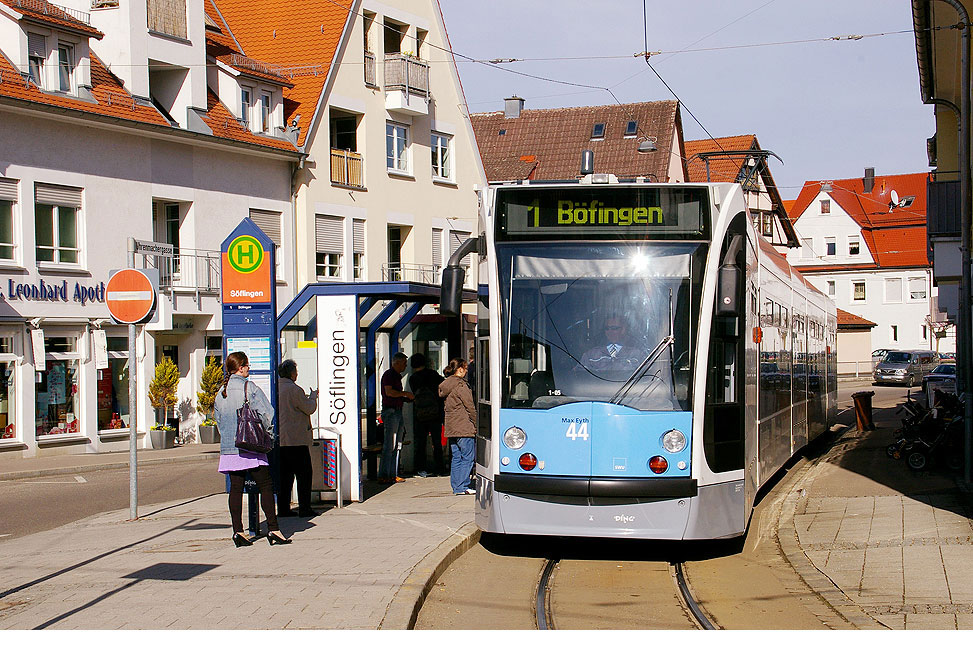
{"x": 650, "y": 487}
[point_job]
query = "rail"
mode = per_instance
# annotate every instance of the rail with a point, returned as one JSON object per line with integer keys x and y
{"x": 190, "y": 270}
{"x": 53, "y": 10}
{"x": 406, "y": 73}
{"x": 247, "y": 63}
{"x": 856, "y": 368}
{"x": 411, "y": 272}
{"x": 370, "y": 79}
{"x": 346, "y": 169}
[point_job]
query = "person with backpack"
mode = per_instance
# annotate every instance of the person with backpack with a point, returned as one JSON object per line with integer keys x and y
{"x": 427, "y": 415}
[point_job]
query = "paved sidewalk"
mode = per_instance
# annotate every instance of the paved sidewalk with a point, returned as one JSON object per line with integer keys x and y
{"x": 16, "y": 467}
{"x": 364, "y": 566}
{"x": 885, "y": 547}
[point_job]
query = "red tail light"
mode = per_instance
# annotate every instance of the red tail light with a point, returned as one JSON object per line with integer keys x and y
{"x": 528, "y": 461}
{"x": 658, "y": 465}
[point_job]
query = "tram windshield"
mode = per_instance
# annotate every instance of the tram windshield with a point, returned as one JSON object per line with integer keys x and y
{"x": 606, "y": 322}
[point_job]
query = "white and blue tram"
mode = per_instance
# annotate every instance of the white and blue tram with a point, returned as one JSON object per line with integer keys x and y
{"x": 645, "y": 360}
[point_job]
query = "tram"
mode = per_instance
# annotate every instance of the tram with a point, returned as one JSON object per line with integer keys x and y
{"x": 645, "y": 360}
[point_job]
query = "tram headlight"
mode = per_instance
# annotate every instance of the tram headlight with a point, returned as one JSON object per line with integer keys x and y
{"x": 674, "y": 441}
{"x": 514, "y": 438}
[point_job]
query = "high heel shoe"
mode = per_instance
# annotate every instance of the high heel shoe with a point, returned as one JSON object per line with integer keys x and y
{"x": 241, "y": 540}
{"x": 274, "y": 538}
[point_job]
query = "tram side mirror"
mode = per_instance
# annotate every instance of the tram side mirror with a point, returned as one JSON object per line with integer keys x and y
{"x": 451, "y": 291}
{"x": 727, "y": 290}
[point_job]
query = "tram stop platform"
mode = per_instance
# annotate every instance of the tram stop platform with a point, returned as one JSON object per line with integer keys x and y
{"x": 879, "y": 546}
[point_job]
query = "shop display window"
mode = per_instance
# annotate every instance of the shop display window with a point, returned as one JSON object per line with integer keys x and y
{"x": 113, "y": 387}
{"x": 57, "y": 389}
{"x": 8, "y": 390}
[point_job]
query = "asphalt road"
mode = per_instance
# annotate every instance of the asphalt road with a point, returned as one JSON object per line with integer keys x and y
{"x": 31, "y": 505}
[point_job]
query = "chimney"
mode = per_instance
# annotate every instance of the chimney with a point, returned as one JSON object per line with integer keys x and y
{"x": 869, "y": 179}
{"x": 512, "y": 107}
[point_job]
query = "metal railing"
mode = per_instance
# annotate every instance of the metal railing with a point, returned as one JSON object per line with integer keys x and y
{"x": 193, "y": 270}
{"x": 346, "y": 168}
{"x": 370, "y": 70}
{"x": 53, "y": 10}
{"x": 422, "y": 273}
{"x": 406, "y": 73}
{"x": 857, "y": 369}
{"x": 247, "y": 63}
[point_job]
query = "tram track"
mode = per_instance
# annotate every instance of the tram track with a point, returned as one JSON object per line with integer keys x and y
{"x": 544, "y": 606}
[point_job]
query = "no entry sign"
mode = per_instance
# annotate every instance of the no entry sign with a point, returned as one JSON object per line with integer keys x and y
{"x": 130, "y": 296}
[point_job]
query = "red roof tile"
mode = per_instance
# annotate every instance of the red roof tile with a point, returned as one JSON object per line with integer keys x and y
{"x": 723, "y": 168}
{"x": 223, "y": 124}
{"x": 850, "y": 320}
{"x": 303, "y": 38}
{"x": 556, "y": 137}
{"x": 50, "y": 14}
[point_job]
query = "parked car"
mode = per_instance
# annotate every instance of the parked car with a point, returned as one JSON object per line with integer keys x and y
{"x": 944, "y": 373}
{"x": 878, "y": 355}
{"x": 948, "y": 357}
{"x": 905, "y": 367}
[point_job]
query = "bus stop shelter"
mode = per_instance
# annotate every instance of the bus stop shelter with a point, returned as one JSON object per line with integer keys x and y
{"x": 331, "y": 331}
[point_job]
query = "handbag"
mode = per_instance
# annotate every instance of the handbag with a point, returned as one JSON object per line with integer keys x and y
{"x": 250, "y": 432}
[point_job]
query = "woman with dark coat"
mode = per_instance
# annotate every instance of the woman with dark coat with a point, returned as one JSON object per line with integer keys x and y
{"x": 238, "y": 463}
{"x": 460, "y": 425}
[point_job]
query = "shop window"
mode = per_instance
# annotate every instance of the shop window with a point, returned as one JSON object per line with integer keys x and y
{"x": 8, "y": 389}
{"x": 57, "y": 389}
{"x": 113, "y": 387}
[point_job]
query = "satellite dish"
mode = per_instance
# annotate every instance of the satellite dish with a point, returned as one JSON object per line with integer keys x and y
{"x": 895, "y": 198}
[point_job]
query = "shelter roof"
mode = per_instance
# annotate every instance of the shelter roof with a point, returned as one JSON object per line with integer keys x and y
{"x": 547, "y": 144}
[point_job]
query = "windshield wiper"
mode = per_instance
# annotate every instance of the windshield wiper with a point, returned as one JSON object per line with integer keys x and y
{"x": 642, "y": 369}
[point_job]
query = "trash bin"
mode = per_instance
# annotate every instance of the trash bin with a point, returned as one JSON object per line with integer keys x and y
{"x": 863, "y": 410}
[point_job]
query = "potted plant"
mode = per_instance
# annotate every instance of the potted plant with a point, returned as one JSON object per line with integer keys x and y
{"x": 209, "y": 383}
{"x": 162, "y": 395}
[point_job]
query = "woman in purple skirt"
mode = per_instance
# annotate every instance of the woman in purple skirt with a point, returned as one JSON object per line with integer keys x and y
{"x": 236, "y": 462}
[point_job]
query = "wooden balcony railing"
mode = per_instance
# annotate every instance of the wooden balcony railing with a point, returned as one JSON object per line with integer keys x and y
{"x": 370, "y": 70}
{"x": 406, "y": 73}
{"x": 346, "y": 169}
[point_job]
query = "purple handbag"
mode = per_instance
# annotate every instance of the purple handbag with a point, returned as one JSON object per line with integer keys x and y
{"x": 250, "y": 432}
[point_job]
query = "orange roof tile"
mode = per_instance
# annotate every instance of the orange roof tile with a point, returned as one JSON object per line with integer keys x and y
{"x": 50, "y": 14}
{"x": 245, "y": 65}
{"x": 850, "y": 320}
{"x": 723, "y": 168}
{"x": 301, "y": 37}
{"x": 223, "y": 124}
{"x": 556, "y": 137}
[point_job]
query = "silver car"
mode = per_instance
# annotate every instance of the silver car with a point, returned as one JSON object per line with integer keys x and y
{"x": 905, "y": 367}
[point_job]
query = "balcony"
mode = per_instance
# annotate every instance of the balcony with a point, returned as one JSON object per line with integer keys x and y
{"x": 370, "y": 79}
{"x": 346, "y": 169}
{"x": 53, "y": 10}
{"x": 943, "y": 208}
{"x": 420, "y": 273}
{"x": 406, "y": 84}
{"x": 187, "y": 270}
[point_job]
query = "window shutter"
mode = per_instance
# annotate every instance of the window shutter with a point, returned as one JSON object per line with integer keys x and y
{"x": 358, "y": 231}
{"x": 54, "y": 195}
{"x": 455, "y": 240}
{"x": 36, "y": 45}
{"x": 269, "y": 222}
{"x": 329, "y": 234}
{"x": 8, "y": 189}
{"x": 437, "y": 247}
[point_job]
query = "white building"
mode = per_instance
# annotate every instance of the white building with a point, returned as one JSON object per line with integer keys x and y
{"x": 121, "y": 122}
{"x": 863, "y": 243}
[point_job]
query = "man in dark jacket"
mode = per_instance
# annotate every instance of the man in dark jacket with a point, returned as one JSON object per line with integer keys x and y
{"x": 427, "y": 414}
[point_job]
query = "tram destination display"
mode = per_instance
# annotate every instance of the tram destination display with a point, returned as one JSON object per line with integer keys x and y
{"x": 593, "y": 212}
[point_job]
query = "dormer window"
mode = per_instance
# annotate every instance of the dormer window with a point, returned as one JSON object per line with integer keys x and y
{"x": 246, "y": 100}
{"x": 265, "y": 112}
{"x": 598, "y": 131}
{"x": 36, "y": 54}
{"x": 631, "y": 129}
{"x": 65, "y": 67}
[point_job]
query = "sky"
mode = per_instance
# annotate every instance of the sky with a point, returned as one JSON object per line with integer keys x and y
{"x": 828, "y": 109}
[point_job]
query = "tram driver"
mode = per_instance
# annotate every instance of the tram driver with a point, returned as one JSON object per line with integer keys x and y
{"x": 617, "y": 354}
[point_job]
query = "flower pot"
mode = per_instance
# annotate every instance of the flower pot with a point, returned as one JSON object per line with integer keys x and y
{"x": 209, "y": 434}
{"x": 162, "y": 438}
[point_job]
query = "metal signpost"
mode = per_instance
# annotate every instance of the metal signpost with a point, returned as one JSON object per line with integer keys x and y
{"x": 249, "y": 297}
{"x": 131, "y": 296}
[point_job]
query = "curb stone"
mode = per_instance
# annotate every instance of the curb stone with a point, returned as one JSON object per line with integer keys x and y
{"x": 403, "y": 611}
{"x": 844, "y": 609}
{"x": 74, "y": 470}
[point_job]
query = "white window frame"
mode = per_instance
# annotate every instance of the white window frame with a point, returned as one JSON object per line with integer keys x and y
{"x": 246, "y": 105}
{"x": 890, "y": 281}
{"x": 864, "y": 296}
{"x": 441, "y": 148}
{"x": 832, "y": 289}
{"x": 395, "y": 133}
{"x": 68, "y": 356}
{"x": 855, "y": 240}
{"x": 330, "y": 267}
{"x": 925, "y": 289}
{"x": 15, "y": 233}
{"x": 266, "y": 108}
{"x": 37, "y": 64}
{"x": 70, "y": 64}
{"x": 14, "y": 356}
{"x": 56, "y": 232}
{"x": 833, "y": 242}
